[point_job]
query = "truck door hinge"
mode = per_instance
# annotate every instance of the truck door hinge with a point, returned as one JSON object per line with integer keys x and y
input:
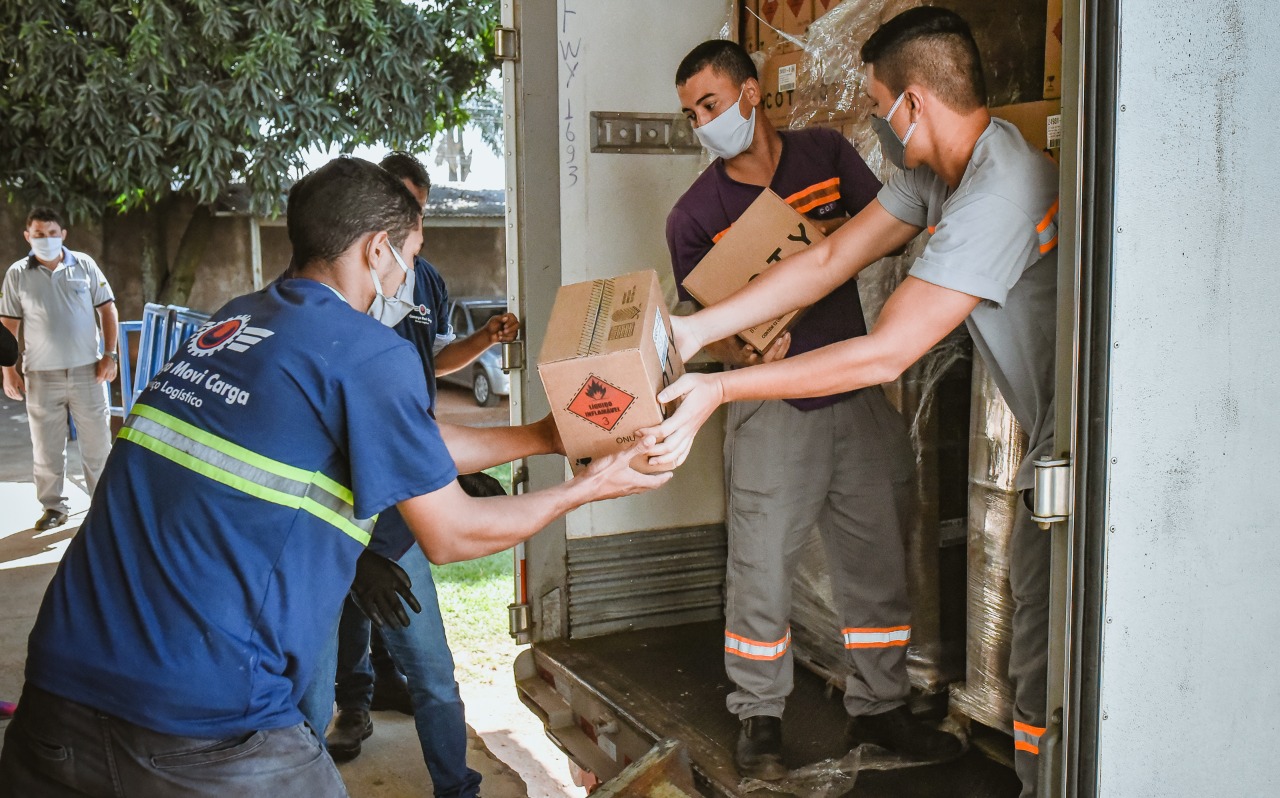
{"x": 505, "y": 44}
{"x": 519, "y": 615}
{"x": 1052, "y": 502}
{"x": 513, "y": 355}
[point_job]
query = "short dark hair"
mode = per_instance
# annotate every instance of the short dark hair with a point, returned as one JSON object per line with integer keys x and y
{"x": 339, "y": 202}
{"x": 42, "y": 213}
{"x": 932, "y": 47}
{"x": 726, "y": 57}
{"x": 406, "y": 167}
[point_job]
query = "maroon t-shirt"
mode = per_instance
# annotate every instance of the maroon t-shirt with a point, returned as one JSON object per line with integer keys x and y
{"x": 819, "y": 174}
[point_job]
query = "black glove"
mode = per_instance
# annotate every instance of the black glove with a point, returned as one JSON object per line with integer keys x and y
{"x": 378, "y": 588}
{"x": 480, "y": 484}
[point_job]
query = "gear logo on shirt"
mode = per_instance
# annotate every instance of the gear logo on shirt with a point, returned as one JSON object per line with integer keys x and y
{"x": 233, "y": 333}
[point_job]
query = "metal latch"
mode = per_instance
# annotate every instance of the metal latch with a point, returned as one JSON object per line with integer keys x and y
{"x": 519, "y": 478}
{"x": 504, "y": 44}
{"x": 519, "y": 615}
{"x": 1052, "y": 498}
{"x": 513, "y": 355}
{"x": 661, "y": 134}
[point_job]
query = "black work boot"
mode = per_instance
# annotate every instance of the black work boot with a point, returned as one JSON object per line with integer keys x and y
{"x": 900, "y": 732}
{"x": 758, "y": 754}
{"x": 391, "y": 692}
{"x": 349, "y": 729}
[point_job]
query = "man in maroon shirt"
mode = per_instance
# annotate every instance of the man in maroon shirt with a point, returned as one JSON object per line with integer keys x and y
{"x": 842, "y": 462}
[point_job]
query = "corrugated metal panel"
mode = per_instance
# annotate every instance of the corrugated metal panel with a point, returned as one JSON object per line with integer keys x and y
{"x": 645, "y": 579}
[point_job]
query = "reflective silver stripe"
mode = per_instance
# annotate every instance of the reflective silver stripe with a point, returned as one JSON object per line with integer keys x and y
{"x": 251, "y": 473}
{"x": 755, "y": 650}
{"x": 1026, "y": 737}
{"x": 1049, "y": 233}
{"x": 884, "y": 638}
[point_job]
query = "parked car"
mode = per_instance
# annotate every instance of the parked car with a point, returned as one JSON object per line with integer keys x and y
{"x": 485, "y": 377}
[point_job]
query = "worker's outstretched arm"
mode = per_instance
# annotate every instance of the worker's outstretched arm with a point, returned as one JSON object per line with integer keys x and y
{"x": 451, "y": 526}
{"x": 917, "y": 316}
{"x": 477, "y": 448}
{"x": 798, "y": 281}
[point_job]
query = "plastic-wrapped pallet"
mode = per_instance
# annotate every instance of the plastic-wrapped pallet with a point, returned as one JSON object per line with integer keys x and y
{"x": 996, "y": 447}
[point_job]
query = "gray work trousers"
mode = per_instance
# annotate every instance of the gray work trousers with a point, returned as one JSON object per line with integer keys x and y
{"x": 50, "y": 395}
{"x": 55, "y": 748}
{"x": 848, "y": 470}
{"x": 1029, "y": 553}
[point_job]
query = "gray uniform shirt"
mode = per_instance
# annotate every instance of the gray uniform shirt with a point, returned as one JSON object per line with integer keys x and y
{"x": 57, "y": 309}
{"x": 995, "y": 237}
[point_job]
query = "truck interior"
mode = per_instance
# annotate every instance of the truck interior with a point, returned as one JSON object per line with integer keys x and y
{"x": 623, "y": 605}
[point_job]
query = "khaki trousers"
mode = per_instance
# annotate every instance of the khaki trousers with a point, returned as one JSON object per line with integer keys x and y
{"x": 50, "y": 396}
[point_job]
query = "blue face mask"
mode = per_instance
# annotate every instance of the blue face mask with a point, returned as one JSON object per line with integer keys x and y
{"x": 894, "y": 148}
{"x": 391, "y": 310}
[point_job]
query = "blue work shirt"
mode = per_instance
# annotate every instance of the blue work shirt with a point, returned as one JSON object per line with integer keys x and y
{"x": 424, "y": 324}
{"x": 428, "y": 320}
{"x": 225, "y": 530}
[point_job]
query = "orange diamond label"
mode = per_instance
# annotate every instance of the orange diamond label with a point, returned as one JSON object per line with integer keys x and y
{"x": 601, "y": 403}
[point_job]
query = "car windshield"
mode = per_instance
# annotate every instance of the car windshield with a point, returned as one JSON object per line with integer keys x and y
{"x": 480, "y": 314}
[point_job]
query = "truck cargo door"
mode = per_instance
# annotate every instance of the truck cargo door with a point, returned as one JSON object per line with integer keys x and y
{"x": 587, "y": 78}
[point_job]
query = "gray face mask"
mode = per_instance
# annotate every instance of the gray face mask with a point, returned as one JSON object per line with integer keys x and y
{"x": 391, "y": 310}
{"x": 894, "y": 148}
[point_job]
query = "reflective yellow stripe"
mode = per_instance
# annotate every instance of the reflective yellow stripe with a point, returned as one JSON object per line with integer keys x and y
{"x": 245, "y": 471}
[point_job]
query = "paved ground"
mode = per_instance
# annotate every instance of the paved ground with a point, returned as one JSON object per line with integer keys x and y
{"x": 506, "y": 743}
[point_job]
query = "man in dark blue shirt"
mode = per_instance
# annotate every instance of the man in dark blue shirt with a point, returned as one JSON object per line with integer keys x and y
{"x": 182, "y": 626}
{"x": 365, "y": 674}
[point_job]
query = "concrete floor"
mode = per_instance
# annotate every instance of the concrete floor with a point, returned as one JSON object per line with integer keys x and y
{"x": 506, "y": 743}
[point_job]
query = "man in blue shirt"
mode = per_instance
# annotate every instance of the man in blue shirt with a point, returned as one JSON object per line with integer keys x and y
{"x": 366, "y": 673}
{"x": 182, "y": 626}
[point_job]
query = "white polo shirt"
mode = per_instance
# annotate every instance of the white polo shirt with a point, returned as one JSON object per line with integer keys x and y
{"x": 57, "y": 309}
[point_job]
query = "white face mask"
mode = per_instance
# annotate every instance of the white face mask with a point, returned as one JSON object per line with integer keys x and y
{"x": 47, "y": 248}
{"x": 390, "y": 310}
{"x": 728, "y": 135}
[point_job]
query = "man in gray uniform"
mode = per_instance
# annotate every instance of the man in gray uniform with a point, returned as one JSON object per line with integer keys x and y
{"x": 841, "y": 463}
{"x": 990, "y": 202}
{"x": 55, "y": 298}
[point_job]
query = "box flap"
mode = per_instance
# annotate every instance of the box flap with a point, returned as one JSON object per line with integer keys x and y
{"x": 601, "y": 316}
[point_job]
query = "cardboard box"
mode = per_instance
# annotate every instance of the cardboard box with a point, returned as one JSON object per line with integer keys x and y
{"x": 1039, "y": 122}
{"x": 779, "y": 81}
{"x": 1053, "y": 52}
{"x": 821, "y": 7}
{"x": 788, "y": 16}
{"x": 768, "y": 231}
{"x": 607, "y": 355}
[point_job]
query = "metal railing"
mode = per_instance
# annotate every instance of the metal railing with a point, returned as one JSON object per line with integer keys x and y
{"x": 160, "y": 334}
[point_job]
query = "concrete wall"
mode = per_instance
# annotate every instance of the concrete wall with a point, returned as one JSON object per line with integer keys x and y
{"x": 470, "y": 258}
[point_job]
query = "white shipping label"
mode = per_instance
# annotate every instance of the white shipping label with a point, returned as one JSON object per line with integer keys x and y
{"x": 787, "y": 78}
{"x": 608, "y": 747}
{"x": 660, "y": 338}
{"x": 1053, "y": 131}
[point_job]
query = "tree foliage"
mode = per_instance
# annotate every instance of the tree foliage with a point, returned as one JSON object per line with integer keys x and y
{"x": 121, "y": 103}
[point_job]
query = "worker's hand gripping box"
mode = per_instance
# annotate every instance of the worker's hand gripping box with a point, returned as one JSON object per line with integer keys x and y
{"x": 768, "y": 231}
{"x": 607, "y": 355}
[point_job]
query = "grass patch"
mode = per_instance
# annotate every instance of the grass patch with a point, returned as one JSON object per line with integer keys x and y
{"x": 473, "y": 601}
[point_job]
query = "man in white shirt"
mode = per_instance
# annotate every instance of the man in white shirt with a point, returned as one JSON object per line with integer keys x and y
{"x": 53, "y": 300}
